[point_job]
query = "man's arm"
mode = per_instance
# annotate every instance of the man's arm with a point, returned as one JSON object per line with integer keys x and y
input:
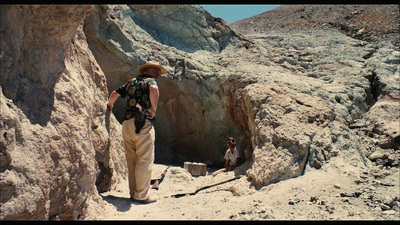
{"x": 154, "y": 94}
{"x": 113, "y": 97}
{"x": 227, "y": 164}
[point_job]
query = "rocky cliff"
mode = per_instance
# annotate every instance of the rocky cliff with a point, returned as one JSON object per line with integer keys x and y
{"x": 55, "y": 134}
{"x": 293, "y": 99}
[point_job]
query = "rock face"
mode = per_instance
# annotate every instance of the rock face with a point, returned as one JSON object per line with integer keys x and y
{"x": 292, "y": 99}
{"x": 348, "y": 82}
{"x": 191, "y": 124}
{"x": 191, "y": 29}
{"x": 357, "y": 80}
{"x": 55, "y": 135}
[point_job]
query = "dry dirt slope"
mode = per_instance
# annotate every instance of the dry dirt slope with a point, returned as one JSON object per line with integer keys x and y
{"x": 335, "y": 192}
{"x": 372, "y": 23}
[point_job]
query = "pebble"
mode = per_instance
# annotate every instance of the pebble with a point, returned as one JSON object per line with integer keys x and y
{"x": 313, "y": 199}
{"x": 358, "y": 181}
{"x": 329, "y": 209}
{"x": 389, "y": 212}
{"x": 292, "y": 202}
{"x": 355, "y": 194}
{"x": 372, "y": 188}
{"x": 385, "y": 207}
{"x": 394, "y": 203}
{"x": 384, "y": 183}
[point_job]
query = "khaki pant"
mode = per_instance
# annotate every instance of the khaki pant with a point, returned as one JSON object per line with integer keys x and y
{"x": 139, "y": 152}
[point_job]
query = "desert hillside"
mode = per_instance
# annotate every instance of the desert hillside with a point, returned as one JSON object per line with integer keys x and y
{"x": 310, "y": 93}
{"x": 372, "y": 23}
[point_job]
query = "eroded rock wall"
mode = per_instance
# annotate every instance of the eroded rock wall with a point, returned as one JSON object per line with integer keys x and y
{"x": 351, "y": 81}
{"x": 191, "y": 124}
{"x": 55, "y": 135}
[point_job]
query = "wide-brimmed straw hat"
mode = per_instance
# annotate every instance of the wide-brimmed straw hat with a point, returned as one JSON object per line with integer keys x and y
{"x": 150, "y": 64}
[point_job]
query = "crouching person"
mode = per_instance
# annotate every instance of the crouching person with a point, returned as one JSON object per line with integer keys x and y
{"x": 232, "y": 157}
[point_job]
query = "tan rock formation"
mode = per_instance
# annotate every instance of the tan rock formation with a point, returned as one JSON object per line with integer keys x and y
{"x": 55, "y": 136}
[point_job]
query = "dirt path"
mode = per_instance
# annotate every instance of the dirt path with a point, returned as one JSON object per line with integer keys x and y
{"x": 336, "y": 192}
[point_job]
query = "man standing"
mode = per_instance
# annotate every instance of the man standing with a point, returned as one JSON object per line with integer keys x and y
{"x": 137, "y": 127}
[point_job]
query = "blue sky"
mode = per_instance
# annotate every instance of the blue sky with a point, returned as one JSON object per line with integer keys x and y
{"x": 232, "y": 12}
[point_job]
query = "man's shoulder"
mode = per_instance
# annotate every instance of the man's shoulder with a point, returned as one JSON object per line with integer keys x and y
{"x": 151, "y": 81}
{"x": 148, "y": 79}
{"x": 237, "y": 151}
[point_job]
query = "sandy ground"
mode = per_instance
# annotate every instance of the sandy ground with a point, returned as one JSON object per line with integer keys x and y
{"x": 337, "y": 191}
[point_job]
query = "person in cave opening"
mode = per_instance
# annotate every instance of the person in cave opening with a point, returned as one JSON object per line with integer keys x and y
{"x": 137, "y": 127}
{"x": 232, "y": 157}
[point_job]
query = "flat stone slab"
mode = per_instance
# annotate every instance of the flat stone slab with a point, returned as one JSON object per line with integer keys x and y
{"x": 195, "y": 169}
